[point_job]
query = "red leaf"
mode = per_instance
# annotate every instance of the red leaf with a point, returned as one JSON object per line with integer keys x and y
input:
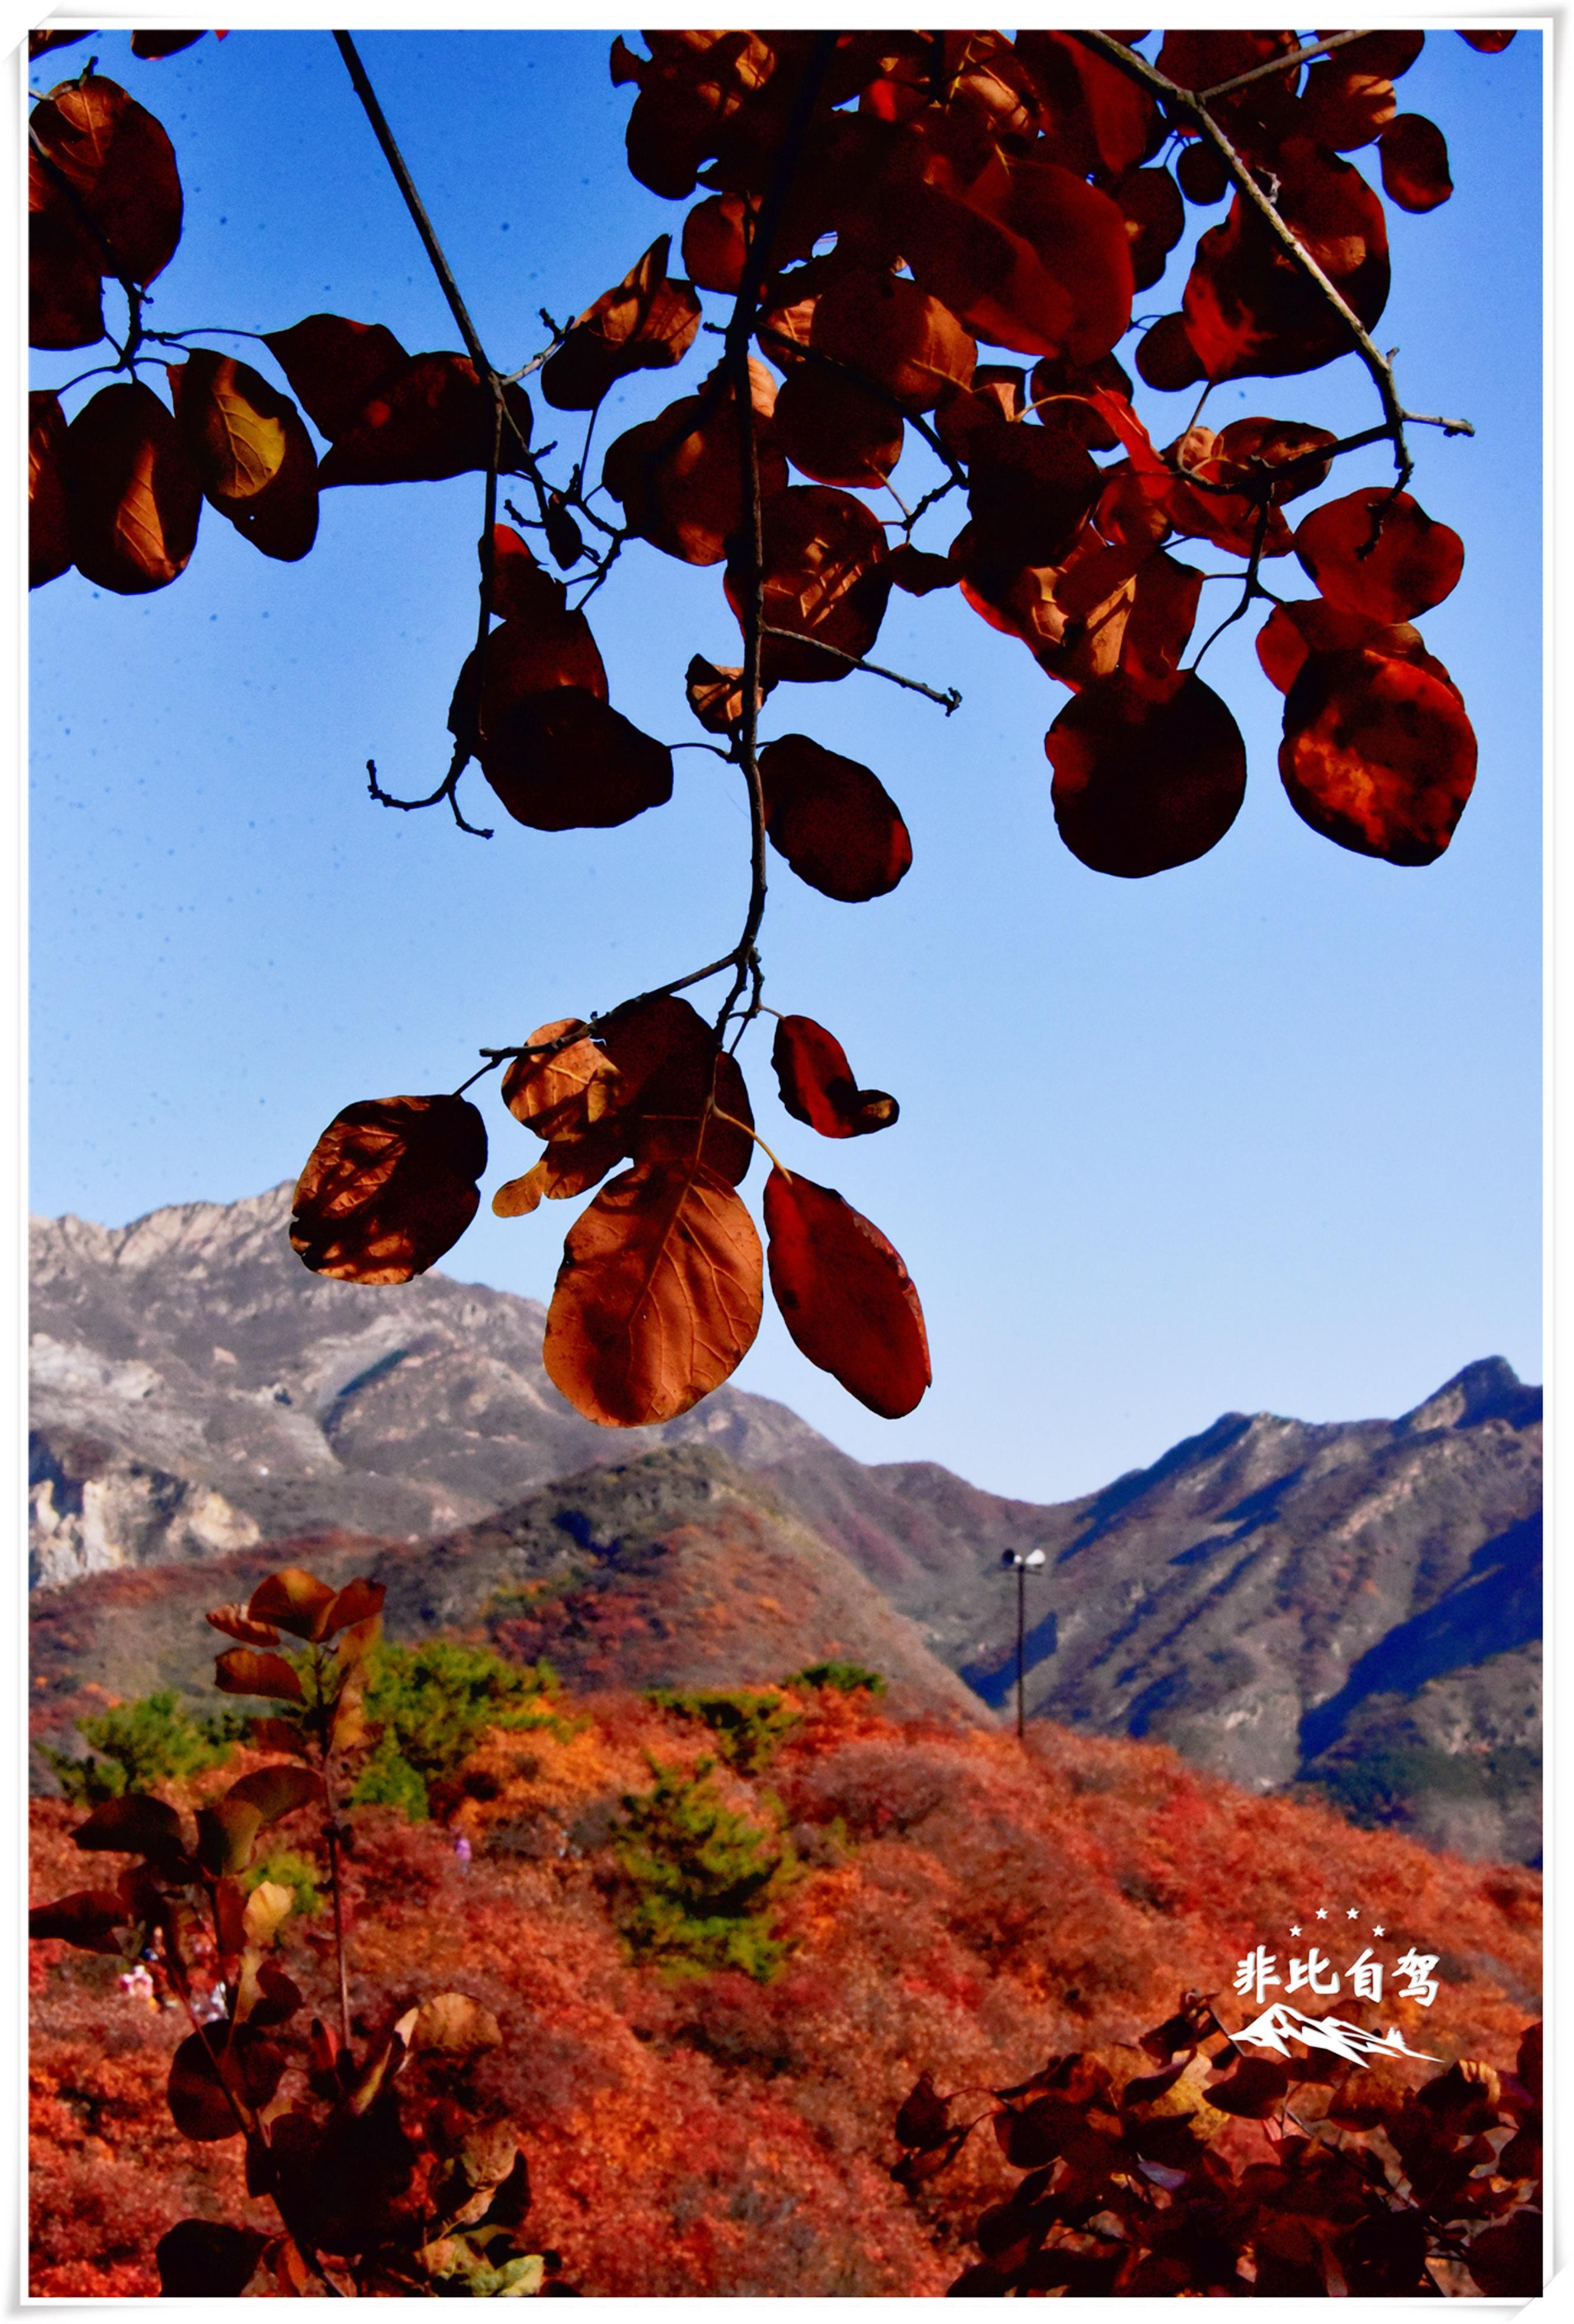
{"x": 833, "y": 820}
{"x": 646, "y": 323}
{"x": 824, "y": 582}
{"x": 1304, "y": 625}
{"x": 335, "y": 366}
{"x": 135, "y": 496}
{"x": 1155, "y": 219}
{"x": 1377, "y": 755}
{"x": 889, "y": 331}
{"x": 817, "y": 1083}
{"x": 658, "y": 1297}
{"x": 679, "y": 476}
{"x": 202, "y": 2259}
{"x": 91, "y": 1919}
{"x": 1145, "y": 780}
{"x": 835, "y": 430}
{"x": 135, "y": 1824}
{"x": 48, "y": 540}
{"x": 1250, "y": 309}
{"x": 121, "y": 166}
{"x": 1027, "y": 255}
{"x": 1389, "y": 575}
{"x": 534, "y": 653}
{"x": 1487, "y": 44}
{"x": 565, "y": 760}
{"x": 845, "y": 1295}
{"x": 714, "y": 249}
{"x": 243, "y": 1671}
{"x": 434, "y": 418}
{"x": 389, "y": 1188}
{"x": 65, "y": 288}
{"x": 1414, "y": 155}
{"x": 1347, "y": 101}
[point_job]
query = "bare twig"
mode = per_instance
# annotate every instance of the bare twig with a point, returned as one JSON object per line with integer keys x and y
{"x": 948, "y": 701}
{"x": 1279, "y": 64}
{"x": 1195, "y": 108}
{"x": 447, "y": 789}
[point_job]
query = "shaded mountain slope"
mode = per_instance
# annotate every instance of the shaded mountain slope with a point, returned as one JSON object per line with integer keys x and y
{"x": 1273, "y": 1596}
{"x": 675, "y": 1569}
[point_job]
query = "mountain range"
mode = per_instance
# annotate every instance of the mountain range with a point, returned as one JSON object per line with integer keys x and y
{"x": 1350, "y": 1606}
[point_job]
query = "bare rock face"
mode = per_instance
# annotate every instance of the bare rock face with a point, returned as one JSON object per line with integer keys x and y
{"x": 193, "y": 1350}
{"x": 1283, "y": 1601}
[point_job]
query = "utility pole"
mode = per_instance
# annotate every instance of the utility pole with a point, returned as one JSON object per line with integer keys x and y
{"x": 1022, "y": 1566}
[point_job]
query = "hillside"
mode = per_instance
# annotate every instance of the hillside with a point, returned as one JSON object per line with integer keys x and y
{"x": 1354, "y": 1605}
{"x": 675, "y": 1569}
{"x": 963, "y": 1906}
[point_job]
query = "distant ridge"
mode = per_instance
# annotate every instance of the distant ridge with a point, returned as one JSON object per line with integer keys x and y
{"x": 1355, "y": 1604}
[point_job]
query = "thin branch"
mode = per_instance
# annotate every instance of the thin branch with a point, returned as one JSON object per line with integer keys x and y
{"x": 596, "y": 1025}
{"x": 1186, "y": 101}
{"x": 413, "y": 201}
{"x": 1280, "y": 64}
{"x": 447, "y": 789}
{"x": 948, "y": 701}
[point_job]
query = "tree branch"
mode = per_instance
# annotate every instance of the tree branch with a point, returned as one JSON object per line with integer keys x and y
{"x": 948, "y": 701}
{"x": 1187, "y": 102}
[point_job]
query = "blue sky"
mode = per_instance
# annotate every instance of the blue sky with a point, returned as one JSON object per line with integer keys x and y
{"x": 1260, "y": 1133}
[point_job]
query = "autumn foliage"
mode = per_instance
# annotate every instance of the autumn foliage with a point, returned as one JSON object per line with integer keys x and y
{"x": 877, "y": 219}
{"x": 709, "y": 1942}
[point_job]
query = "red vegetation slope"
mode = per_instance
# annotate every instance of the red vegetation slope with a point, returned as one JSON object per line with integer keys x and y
{"x": 966, "y": 1907}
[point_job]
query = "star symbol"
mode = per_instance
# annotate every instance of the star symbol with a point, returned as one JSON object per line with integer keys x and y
{"x": 1295, "y": 1928}
{"x": 1378, "y": 1931}
{"x": 1323, "y": 1913}
{"x": 1354, "y": 1913}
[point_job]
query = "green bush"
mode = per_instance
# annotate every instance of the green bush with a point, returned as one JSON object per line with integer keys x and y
{"x": 288, "y": 1870}
{"x": 747, "y": 1723}
{"x": 845, "y": 1677}
{"x": 700, "y": 1882}
{"x": 428, "y": 1707}
{"x": 155, "y": 1739}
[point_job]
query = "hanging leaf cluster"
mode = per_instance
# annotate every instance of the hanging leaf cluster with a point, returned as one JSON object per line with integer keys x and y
{"x": 1141, "y": 2186}
{"x": 894, "y": 242}
{"x": 390, "y": 2175}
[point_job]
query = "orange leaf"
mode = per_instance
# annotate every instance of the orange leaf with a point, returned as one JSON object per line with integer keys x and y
{"x": 845, "y": 1295}
{"x": 1377, "y": 553}
{"x": 551, "y": 1094}
{"x": 335, "y": 366}
{"x": 1377, "y": 755}
{"x": 817, "y": 1083}
{"x": 236, "y": 1622}
{"x": 646, "y": 323}
{"x": 833, "y": 820}
{"x": 121, "y": 166}
{"x": 1145, "y": 779}
{"x": 389, "y": 1187}
{"x": 532, "y": 653}
{"x": 251, "y": 449}
{"x": 824, "y": 553}
{"x": 294, "y": 1601}
{"x": 716, "y": 694}
{"x": 49, "y": 540}
{"x": 135, "y": 496}
{"x": 657, "y": 1299}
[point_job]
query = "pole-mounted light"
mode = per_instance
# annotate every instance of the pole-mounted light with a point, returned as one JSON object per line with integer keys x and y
{"x": 1023, "y": 1567}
